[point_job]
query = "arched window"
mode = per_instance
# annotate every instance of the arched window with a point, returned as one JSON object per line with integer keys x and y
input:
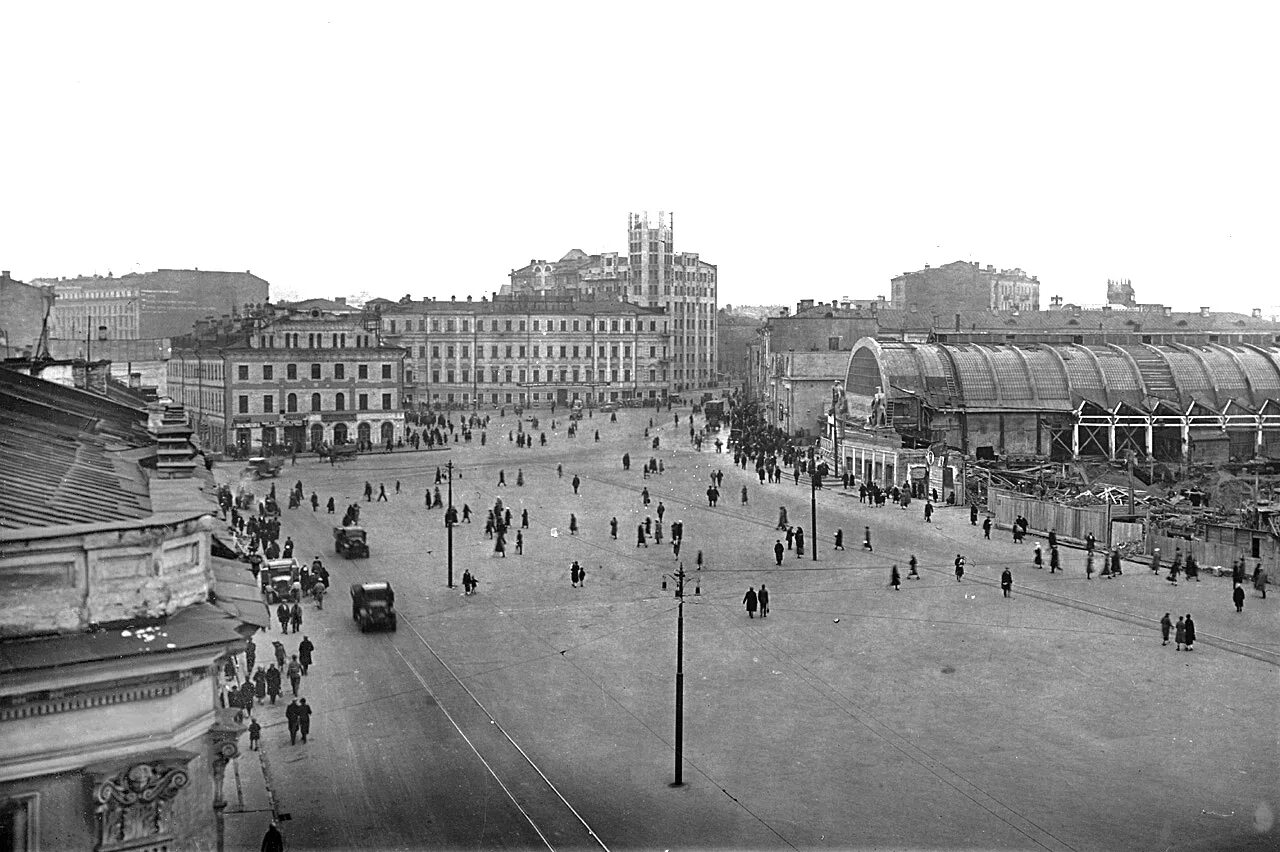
{"x": 340, "y": 402}
{"x": 291, "y": 402}
{"x": 315, "y": 402}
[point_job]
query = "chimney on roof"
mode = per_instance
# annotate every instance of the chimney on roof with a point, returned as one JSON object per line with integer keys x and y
{"x": 4, "y": 275}
{"x": 341, "y": 300}
{"x": 1256, "y": 313}
{"x": 1168, "y": 311}
{"x": 453, "y": 298}
{"x": 1204, "y": 311}
{"x": 468, "y": 298}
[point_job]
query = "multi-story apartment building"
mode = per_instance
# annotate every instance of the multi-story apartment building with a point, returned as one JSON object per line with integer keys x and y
{"x": 530, "y": 351}
{"x": 302, "y": 375}
{"x": 144, "y": 305}
{"x": 964, "y": 286}
{"x": 652, "y": 274}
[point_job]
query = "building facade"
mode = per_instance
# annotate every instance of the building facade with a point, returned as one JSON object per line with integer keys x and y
{"x": 300, "y": 377}
{"x": 964, "y": 286}
{"x": 110, "y": 727}
{"x": 147, "y": 305}
{"x": 654, "y": 275}
{"x": 24, "y": 308}
{"x": 530, "y": 351}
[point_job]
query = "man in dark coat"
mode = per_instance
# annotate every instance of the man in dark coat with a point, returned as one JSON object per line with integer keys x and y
{"x": 304, "y": 718}
{"x": 305, "y": 649}
{"x": 778, "y": 550}
{"x": 291, "y": 717}
{"x": 762, "y": 597}
{"x": 973, "y": 515}
{"x": 1006, "y": 582}
{"x": 1053, "y": 539}
{"x": 986, "y": 528}
{"x": 576, "y": 483}
{"x": 282, "y": 613}
{"x": 1189, "y": 629}
{"x": 866, "y": 538}
{"x": 1237, "y": 595}
{"x": 273, "y": 840}
{"x": 751, "y": 601}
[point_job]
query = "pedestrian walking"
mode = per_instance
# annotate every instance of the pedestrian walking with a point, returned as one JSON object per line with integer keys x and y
{"x": 282, "y": 613}
{"x": 751, "y": 600}
{"x": 1006, "y": 582}
{"x": 839, "y": 540}
{"x": 744, "y": 495}
{"x": 895, "y": 581}
{"x": 524, "y": 519}
{"x": 1237, "y": 595}
{"x": 778, "y": 551}
{"x": 973, "y": 515}
{"x": 866, "y": 539}
{"x": 273, "y": 683}
{"x": 640, "y": 540}
{"x": 304, "y": 718}
{"x": 1088, "y": 566}
{"x": 1166, "y": 624}
{"x": 295, "y": 617}
{"x": 575, "y": 574}
{"x": 1054, "y": 564}
{"x": 791, "y": 538}
{"x": 613, "y": 528}
{"x": 799, "y": 542}
{"x": 382, "y": 493}
{"x": 1260, "y": 580}
{"x": 928, "y": 512}
{"x": 959, "y": 567}
{"x": 1037, "y": 556}
{"x": 519, "y": 543}
{"x": 782, "y": 518}
{"x": 1180, "y": 634}
{"x": 912, "y": 573}
{"x": 315, "y": 501}
{"x": 1053, "y": 538}
{"x": 273, "y": 840}
{"x": 251, "y": 650}
{"x": 986, "y": 528}
{"x": 291, "y": 718}
{"x": 762, "y": 598}
{"x": 294, "y": 673}
{"x": 520, "y": 477}
{"x": 306, "y": 648}
{"x": 329, "y": 506}
{"x": 1190, "y": 630}
{"x": 576, "y": 483}
{"x": 255, "y": 734}
{"x": 502, "y": 477}
{"x": 1155, "y": 560}
{"x": 573, "y": 526}
{"x": 260, "y": 685}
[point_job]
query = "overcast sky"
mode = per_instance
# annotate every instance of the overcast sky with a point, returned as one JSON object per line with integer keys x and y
{"x": 811, "y": 150}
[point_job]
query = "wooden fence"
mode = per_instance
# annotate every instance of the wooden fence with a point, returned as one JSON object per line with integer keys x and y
{"x": 1072, "y": 523}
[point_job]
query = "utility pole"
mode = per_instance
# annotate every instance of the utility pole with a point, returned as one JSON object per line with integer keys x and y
{"x": 813, "y": 509}
{"x": 679, "y": 578}
{"x": 450, "y": 518}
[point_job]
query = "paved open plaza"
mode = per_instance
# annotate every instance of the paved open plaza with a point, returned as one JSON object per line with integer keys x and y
{"x": 540, "y": 713}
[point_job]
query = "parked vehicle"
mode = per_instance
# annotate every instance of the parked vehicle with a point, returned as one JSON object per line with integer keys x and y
{"x": 714, "y": 411}
{"x": 608, "y": 407}
{"x": 351, "y": 542}
{"x": 341, "y": 452}
{"x": 373, "y": 605}
{"x": 260, "y": 467}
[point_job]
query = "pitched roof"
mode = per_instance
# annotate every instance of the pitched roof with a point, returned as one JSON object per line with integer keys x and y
{"x": 69, "y": 456}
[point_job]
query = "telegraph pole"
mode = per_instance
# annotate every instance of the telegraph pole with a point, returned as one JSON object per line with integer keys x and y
{"x": 679, "y": 578}
{"x": 450, "y": 518}
{"x": 813, "y": 510}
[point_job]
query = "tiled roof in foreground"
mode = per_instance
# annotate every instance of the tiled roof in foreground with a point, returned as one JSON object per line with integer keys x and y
{"x": 68, "y": 457}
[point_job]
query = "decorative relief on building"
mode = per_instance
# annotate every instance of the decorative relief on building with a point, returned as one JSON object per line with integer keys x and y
{"x": 132, "y": 804}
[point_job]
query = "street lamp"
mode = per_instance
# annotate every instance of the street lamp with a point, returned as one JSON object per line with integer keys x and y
{"x": 678, "y": 576}
{"x": 450, "y": 519}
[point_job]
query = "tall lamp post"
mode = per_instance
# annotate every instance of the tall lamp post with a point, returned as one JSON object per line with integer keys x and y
{"x": 813, "y": 507}
{"x": 678, "y": 576}
{"x": 450, "y": 518}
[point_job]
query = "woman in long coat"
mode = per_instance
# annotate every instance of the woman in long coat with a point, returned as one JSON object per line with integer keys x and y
{"x": 260, "y": 684}
{"x": 751, "y": 601}
{"x": 1180, "y": 634}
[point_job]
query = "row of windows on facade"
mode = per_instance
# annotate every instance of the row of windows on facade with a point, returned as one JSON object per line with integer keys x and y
{"x": 291, "y": 372}
{"x": 523, "y": 397}
{"x": 511, "y": 351}
{"x": 393, "y": 325}
{"x": 680, "y": 290}
{"x": 315, "y": 340}
{"x": 291, "y": 403}
{"x": 510, "y": 374}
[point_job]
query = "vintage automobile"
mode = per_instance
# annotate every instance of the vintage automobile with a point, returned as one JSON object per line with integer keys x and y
{"x": 714, "y": 412}
{"x": 338, "y": 453}
{"x": 277, "y": 577}
{"x": 373, "y": 605}
{"x": 351, "y": 542}
{"x": 608, "y": 407}
{"x": 261, "y": 467}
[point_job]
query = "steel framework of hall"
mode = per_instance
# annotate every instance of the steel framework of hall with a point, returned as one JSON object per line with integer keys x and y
{"x": 1170, "y": 403}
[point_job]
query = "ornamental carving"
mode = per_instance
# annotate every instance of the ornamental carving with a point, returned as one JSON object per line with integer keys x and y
{"x": 132, "y": 805}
